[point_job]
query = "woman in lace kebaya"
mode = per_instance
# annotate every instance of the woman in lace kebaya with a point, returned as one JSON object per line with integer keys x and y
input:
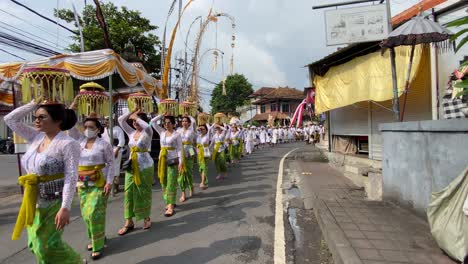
{"x": 51, "y": 163}
{"x": 218, "y": 146}
{"x": 236, "y": 139}
{"x": 203, "y": 152}
{"x": 139, "y": 175}
{"x": 187, "y": 133}
{"x": 170, "y": 160}
{"x": 95, "y": 175}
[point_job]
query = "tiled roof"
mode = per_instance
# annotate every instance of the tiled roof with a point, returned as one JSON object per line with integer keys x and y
{"x": 261, "y": 92}
{"x": 264, "y": 116}
{"x": 285, "y": 93}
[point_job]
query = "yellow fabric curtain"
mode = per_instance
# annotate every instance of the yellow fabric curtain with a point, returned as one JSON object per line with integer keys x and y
{"x": 367, "y": 78}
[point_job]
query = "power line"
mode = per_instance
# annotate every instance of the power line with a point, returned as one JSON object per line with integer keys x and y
{"x": 44, "y": 17}
{"x": 25, "y": 45}
{"x": 14, "y": 55}
{"x": 52, "y": 46}
{"x": 36, "y": 26}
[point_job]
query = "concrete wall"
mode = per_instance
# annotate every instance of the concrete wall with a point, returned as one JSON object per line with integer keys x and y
{"x": 420, "y": 158}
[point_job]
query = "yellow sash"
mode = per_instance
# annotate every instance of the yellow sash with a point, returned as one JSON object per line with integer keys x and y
{"x": 28, "y": 205}
{"x": 135, "y": 167}
{"x": 216, "y": 149}
{"x": 162, "y": 164}
{"x": 99, "y": 179}
{"x": 201, "y": 153}
{"x": 184, "y": 166}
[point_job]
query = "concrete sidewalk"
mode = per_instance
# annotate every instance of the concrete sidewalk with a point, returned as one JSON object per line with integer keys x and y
{"x": 357, "y": 230}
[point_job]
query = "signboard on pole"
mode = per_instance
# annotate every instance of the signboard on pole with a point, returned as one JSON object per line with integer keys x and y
{"x": 357, "y": 24}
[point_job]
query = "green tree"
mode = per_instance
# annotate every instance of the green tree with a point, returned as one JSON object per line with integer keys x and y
{"x": 238, "y": 89}
{"x": 124, "y": 26}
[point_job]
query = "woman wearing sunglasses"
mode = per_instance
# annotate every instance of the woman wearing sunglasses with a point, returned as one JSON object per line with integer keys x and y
{"x": 51, "y": 164}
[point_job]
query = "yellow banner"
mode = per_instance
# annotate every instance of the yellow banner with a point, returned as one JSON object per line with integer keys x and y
{"x": 367, "y": 78}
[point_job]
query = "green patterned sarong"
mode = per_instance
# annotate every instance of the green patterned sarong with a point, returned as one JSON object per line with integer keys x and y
{"x": 46, "y": 242}
{"x": 203, "y": 168}
{"x": 93, "y": 204}
{"x": 185, "y": 180}
{"x": 170, "y": 188}
{"x": 220, "y": 162}
{"x": 234, "y": 152}
{"x": 138, "y": 198}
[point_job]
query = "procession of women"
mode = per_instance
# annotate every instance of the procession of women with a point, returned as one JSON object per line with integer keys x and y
{"x": 70, "y": 153}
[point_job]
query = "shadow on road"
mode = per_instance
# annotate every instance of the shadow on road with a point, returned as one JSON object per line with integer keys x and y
{"x": 246, "y": 247}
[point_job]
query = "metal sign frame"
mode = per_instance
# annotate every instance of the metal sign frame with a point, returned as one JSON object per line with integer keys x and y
{"x": 356, "y": 24}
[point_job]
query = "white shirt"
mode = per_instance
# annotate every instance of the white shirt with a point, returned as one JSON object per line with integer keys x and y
{"x": 143, "y": 142}
{"x": 188, "y": 135}
{"x": 219, "y": 137}
{"x": 117, "y": 133}
{"x": 61, "y": 156}
{"x": 173, "y": 141}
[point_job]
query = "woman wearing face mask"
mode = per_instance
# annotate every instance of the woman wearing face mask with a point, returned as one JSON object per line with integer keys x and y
{"x": 203, "y": 153}
{"x": 139, "y": 176}
{"x": 170, "y": 160}
{"x": 217, "y": 144}
{"x": 95, "y": 175}
{"x": 187, "y": 133}
{"x": 51, "y": 164}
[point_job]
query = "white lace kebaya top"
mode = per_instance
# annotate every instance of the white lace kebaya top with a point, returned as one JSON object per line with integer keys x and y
{"x": 188, "y": 135}
{"x": 219, "y": 137}
{"x": 117, "y": 133}
{"x": 205, "y": 140}
{"x": 143, "y": 142}
{"x": 100, "y": 153}
{"x": 172, "y": 141}
{"x": 61, "y": 156}
{"x": 236, "y": 137}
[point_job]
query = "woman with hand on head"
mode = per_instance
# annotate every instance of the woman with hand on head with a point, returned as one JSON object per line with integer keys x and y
{"x": 188, "y": 136}
{"x": 95, "y": 176}
{"x": 203, "y": 152}
{"x": 51, "y": 164}
{"x": 170, "y": 160}
{"x": 218, "y": 146}
{"x": 139, "y": 174}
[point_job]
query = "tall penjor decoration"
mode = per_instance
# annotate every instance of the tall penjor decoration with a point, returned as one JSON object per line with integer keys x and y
{"x": 50, "y": 84}
{"x": 92, "y": 98}
{"x": 140, "y": 101}
{"x": 187, "y": 108}
{"x": 169, "y": 106}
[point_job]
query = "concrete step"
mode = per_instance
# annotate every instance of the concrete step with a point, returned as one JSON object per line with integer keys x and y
{"x": 357, "y": 168}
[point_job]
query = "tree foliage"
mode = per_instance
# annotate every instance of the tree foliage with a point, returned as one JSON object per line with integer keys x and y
{"x": 238, "y": 89}
{"x": 124, "y": 26}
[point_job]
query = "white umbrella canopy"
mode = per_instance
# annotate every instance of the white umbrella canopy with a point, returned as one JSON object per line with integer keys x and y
{"x": 417, "y": 30}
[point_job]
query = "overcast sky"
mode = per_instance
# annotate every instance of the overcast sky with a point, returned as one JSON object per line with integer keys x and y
{"x": 274, "y": 38}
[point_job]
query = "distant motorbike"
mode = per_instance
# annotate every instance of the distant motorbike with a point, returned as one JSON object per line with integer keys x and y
{"x": 7, "y": 146}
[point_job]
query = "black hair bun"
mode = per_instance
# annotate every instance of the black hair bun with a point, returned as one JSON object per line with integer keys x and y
{"x": 69, "y": 120}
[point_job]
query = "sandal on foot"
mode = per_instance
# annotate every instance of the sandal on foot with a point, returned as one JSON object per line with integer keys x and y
{"x": 96, "y": 257}
{"x": 89, "y": 247}
{"x": 126, "y": 229}
{"x": 145, "y": 226}
{"x": 166, "y": 214}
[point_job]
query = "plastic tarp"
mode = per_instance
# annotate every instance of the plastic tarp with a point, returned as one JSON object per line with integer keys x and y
{"x": 367, "y": 78}
{"x": 88, "y": 66}
{"x": 448, "y": 222}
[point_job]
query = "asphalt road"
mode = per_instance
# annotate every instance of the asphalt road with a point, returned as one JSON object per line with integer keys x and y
{"x": 231, "y": 222}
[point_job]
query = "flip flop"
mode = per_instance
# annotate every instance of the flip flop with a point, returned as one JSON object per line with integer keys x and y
{"x": 169, "y": 214}
{"x": 127, "y": 229}
{"x": 96, "y": 257}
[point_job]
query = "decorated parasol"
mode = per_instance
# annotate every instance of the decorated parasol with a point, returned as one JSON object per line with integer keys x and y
{"x": 220, "y": 118}
{"x": 414, "y": 32}
{"x": 203, "y": 119}
{"x": 169, "y": 106}
{"x": 188, "y": 108}
{"x": 141, "y": 101}
{"x": 52, "y": 84}
{"x": 92, "y": 98}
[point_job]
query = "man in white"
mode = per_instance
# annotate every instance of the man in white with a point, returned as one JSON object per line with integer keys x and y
{"x": 322, "y": 132}
{"x": 119, "y": 139}
{"x": 306, "y": 133}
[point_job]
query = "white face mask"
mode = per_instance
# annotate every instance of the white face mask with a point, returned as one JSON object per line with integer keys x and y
{"x": 90, "y": 133}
